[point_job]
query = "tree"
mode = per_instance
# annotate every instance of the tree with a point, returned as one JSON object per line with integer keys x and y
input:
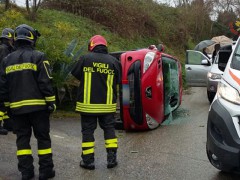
{"x": 7, "y": 4}
{"x": 32, "y": 8}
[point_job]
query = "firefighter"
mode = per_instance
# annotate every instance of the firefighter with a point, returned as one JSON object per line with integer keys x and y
{"x": 6, "y": 47}
{"x": 99, "y": 74}
{"x": 25, "y": 80}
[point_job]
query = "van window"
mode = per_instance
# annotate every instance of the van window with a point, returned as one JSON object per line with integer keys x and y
{"x": 235, "y": 64}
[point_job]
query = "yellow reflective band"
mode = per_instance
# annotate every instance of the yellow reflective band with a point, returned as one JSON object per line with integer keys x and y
{"x": 96, "y": 105}
{"x": 89, "y": 151}
{"x": 24, "y": 152}
{"x": 111, "y": 145}
{"x": 1, "y": 118}
{"x": 5, "y": 117}
{"x": 109, "y": 89}
{"x": 87, "y": 144}
{"x": 96, "y": 108}
{"x": 51, "y": 98}
{"x": 28, "y": 103}
{"x": 1, "y": 113}
{"x": 44, "y": 151}
{"x": 6, "y": 104}
{"x": 21, "y": 67}
{"x": 87, "y": 87}
{"x": 108, "y": 141}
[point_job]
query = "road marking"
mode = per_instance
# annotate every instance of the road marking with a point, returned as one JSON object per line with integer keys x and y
{"x": 58, "y": 136}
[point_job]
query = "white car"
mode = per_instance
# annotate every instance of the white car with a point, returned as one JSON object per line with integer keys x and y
{"x": 197, "y": 66}
{"x": 203, "y": 71}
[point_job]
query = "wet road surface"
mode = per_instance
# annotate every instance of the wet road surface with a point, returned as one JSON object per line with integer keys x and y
{"x": 175, "y": 151}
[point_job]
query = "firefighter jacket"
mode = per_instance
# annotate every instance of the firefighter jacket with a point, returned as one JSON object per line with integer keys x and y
{"x": 25, "y": 81}
{"x": 4, "y": 51}
{"x": 99, "y": 74}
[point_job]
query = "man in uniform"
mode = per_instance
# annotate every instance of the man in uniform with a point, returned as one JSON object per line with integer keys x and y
{"x": 26, "y": 83}
{"x": 6, "y": 47}
{"x": 99, "y": 74}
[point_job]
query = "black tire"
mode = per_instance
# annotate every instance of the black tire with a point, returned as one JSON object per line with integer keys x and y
{"x": 210, "y": 96}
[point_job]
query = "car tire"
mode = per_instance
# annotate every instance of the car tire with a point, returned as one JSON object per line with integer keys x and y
{"x": 210, "y": 96}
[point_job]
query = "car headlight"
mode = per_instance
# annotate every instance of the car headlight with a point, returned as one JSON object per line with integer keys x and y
{"x": 148, "y": 60}
{"x": 228, "y": 93}
{"x": 152, "y": 123}
{"x": 214, "y": 76}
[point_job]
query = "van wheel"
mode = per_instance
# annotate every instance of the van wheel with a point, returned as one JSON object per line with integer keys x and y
{"x": 211, "y": 96}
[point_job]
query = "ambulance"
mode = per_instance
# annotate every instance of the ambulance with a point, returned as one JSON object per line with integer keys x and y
{"x": 151, "y": 88}
{"x": 223, "y": 127}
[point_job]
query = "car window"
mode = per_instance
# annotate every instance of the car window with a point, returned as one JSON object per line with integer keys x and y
{"x": 195, "y": 58}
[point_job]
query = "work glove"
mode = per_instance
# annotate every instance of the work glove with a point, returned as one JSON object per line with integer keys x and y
{"x": 51, "y": 107}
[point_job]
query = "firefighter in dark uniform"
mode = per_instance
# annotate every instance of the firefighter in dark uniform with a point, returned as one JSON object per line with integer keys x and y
{"x": 25, "y": 80}
{"x": 99, "y": 74}
{"x": 6, "y": 47}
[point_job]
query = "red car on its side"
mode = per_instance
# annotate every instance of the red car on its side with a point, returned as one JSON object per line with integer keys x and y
{"x": 151, "y": 88}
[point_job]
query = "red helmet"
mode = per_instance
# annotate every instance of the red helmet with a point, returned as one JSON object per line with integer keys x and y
{"x": 96, "y": 40}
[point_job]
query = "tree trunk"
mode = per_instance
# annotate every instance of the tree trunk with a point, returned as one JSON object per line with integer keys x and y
{"x": 7, "y": 4}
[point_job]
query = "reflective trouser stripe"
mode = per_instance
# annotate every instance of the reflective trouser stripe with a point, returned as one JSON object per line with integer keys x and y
{"x": 5, "y": 116}
{"x": 88, "y": 151}
{"x": 24, "y": 152}
{"x": 1, "y": 113}
{"x": 111, "y": 143}
{"x": 7, "y": 104}
{"x": 44, "y": 151}
{"x": 87, "y": 144}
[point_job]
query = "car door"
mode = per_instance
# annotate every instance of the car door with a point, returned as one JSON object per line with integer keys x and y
{"x": 197, "y": 66}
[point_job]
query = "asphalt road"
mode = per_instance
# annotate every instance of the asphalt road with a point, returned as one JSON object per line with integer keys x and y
{"x": 175, "y": 151}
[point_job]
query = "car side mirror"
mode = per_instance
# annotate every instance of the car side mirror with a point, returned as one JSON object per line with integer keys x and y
{"x": 223, "y": 59}
{"x": 205, "y": 62}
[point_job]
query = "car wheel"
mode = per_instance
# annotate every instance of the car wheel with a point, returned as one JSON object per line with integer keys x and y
{"x": 211, "y": 96}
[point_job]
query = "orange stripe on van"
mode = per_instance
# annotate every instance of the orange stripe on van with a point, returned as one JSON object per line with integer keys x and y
{"x": 235, "y": 78}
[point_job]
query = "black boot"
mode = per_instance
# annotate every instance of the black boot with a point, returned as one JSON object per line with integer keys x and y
{"x": 111, "y": 158}
{"x": 27, "y": 176}
{"x": 46, "y": 175}
{"x": 90, "y": 166}
{"x": 3, "y": 131}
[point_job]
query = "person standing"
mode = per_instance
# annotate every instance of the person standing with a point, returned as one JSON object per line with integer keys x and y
{"x": 216, "y": 49}
{"x": 99, "y": 74}
{"x": 25, "y": 80}
{"x": 6, "y": 47}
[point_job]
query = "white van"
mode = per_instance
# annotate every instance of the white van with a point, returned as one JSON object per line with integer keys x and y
{"x": 223, "y": 128}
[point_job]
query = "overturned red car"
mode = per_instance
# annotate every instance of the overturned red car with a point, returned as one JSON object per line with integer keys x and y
{"x": 151, "y": 88}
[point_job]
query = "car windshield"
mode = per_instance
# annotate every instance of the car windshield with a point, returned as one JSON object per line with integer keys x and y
{"x": 236, "y": 58}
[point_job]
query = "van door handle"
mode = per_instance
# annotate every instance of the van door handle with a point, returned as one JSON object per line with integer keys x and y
{"x": 188, "y": 68}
